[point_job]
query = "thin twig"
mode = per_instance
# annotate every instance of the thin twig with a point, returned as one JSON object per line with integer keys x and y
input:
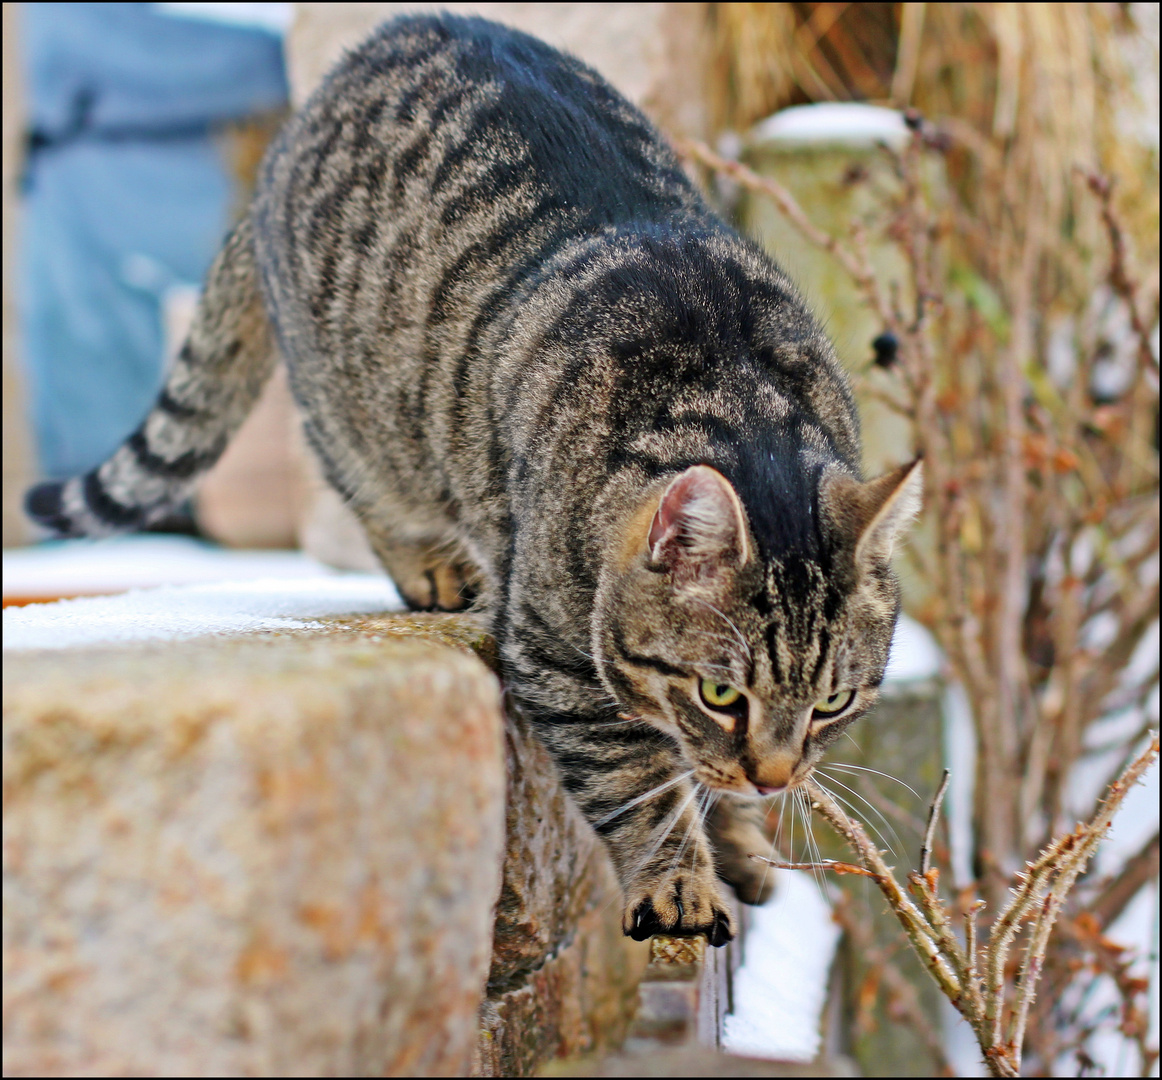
{"x": 970, "y": 946}
{"x": 920, "y": 932}
{"x": 933, "y": 814}
{"x": 1040, "y": 891}
{"x": 1070, "y": 866}
{"x": 823, "y": 864}
{"x": 1121, "y": 279}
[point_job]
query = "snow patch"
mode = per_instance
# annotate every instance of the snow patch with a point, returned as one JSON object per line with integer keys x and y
{"x": 174, "y": 612}
{"x": 844, "y": 122}
{"x": 781, "y": 987}
{"x": 69, "y": 568}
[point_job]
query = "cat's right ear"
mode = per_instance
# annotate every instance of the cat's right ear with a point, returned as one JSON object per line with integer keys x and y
{"x": 699, "y": 527}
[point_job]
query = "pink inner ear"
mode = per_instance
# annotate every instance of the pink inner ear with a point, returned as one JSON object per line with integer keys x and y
{"x": 664, "y": 523}
{"x": 698, "y": 520}
{"x": 675, "y": 503}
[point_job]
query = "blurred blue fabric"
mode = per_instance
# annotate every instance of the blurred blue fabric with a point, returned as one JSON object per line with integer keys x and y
{"x": 126, "y": 196}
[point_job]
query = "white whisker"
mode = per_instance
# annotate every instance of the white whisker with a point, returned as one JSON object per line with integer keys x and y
{"x": 695, "y": 823}
{"x": 729, "y": 622}
{"x": 839, "y": 798}
{"x": 642, "y": 798}
{"x": 782, "y": 816}
{"x": 791, "y": 831}
{"x": 860, "y": 768}
{"x": 812, "y": 847}
{"x": 620, "y": 723}
{"x": 772, "y": 855}
{"x": 665, "y": 832}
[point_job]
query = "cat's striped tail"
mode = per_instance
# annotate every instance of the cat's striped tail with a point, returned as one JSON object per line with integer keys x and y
{"x": 215, "y": 380}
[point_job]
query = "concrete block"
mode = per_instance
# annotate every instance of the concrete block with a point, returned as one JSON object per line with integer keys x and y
{"x": 257, "y": 856}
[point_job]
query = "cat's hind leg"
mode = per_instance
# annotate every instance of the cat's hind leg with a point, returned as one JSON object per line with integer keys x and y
{"x": 431, "y": 571}
{"x": 415, "y": 543}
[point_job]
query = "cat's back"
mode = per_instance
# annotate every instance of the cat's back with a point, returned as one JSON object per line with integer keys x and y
{"x": 444, "y": 148}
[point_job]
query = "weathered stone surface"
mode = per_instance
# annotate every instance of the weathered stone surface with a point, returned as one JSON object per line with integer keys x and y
{"x": 556, "y": 868}
{"x": 458, "y": 632}
{"x": 580, "y": 1000}
{"x": 564, "y": 978}
{"x": 249, "y": 857}
{"x": 692, "y": 1061}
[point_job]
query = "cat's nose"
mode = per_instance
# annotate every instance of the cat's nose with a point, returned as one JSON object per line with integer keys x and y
{"x": 773, "y": 774}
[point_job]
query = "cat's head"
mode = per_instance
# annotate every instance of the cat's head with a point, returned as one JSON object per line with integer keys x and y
{"x": 754, "y": 661}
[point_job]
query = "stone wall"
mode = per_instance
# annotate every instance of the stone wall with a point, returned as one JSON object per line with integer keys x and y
{"x": 317, "y": 852}
{"x": 251, "y": 856}
{"x": 564, "y": 978}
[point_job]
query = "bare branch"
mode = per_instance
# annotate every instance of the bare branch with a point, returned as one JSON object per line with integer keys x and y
{"x": 1121, "y": 278}
{"x": 823, "y": 864}
{"x": 1038, "y": 893}
{"x": 933, "y": 815}
{"x": 919, "y": 930}
{"x": 1069, "y": 864}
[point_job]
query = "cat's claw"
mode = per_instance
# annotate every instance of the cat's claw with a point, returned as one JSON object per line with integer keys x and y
{"x": 647, "y": 923}
{"x": 658, "y": 908}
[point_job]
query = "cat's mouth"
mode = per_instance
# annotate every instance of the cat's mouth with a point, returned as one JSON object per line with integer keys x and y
{"x": 764, "y": 790}
{"x": 762, "y": 784}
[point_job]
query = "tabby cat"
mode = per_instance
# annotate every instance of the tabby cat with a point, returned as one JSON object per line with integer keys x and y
{"x": 552, "y": 384}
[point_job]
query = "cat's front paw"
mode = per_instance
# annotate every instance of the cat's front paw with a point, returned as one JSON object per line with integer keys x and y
{"x": 682, "y": 903}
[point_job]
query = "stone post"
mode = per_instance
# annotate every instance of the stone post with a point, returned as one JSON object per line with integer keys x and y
{"x": 266, "y": 855}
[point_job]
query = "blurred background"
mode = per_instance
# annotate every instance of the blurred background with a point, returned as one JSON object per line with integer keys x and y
{"x": 1023, "y": 232}
{"x": 132, "y": 133}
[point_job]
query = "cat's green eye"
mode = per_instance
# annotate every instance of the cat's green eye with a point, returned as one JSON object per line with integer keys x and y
{"x": 836, "y": 703}
{"x": 719, "y": 695}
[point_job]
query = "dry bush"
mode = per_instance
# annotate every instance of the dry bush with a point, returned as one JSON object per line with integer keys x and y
{"x": 1025, "y": 363}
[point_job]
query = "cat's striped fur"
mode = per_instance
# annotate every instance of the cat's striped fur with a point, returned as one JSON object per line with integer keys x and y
{"x": 545, "y": 376}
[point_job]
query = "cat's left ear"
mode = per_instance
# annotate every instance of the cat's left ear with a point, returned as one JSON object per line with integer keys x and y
{"x": 873, "y": 516}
